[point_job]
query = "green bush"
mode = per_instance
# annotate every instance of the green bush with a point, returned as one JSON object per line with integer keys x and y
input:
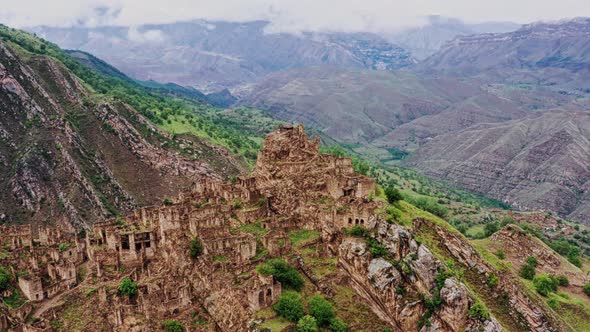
{"x": 430, "y": 205}
{"x": 321, "y": 309}
{"x": 532, "y": 261}
{"x": 282, "y": 272}
{"x": 171, "y": 325}
{"x": 337, "y": 325}
{"x": 562, "y": 281}
{"x": 500, "y": 254}
{"x": 307, "y": 324}
{"x": 586, "y": 289}
{"x": 545, "y": 284}
{"x": 527, "y": 271}
{"x": 196, "y": 248}
{"x": 5, "y": 279}
{"x": 128, "y": 287}
{"x": 290, "y": 306}
{"x": 553, "y": 303}
{"x": 478, "y": 311}
{"x": 492, "y": 280}
{"x": 491, "y": 228}
{"x": 393, "y": 195}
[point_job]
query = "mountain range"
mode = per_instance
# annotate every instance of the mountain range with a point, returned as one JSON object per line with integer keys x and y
{"x": 211, "y": 56}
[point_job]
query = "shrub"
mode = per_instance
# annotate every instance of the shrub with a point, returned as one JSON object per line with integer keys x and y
{"x": 492, "y": 280}
{"x": 478, "y": 311}
{"x": 356, "y": 231}
{"x": 393, "y": 195}
{"x": 586, "y": 289}
{"x": 290, "y": 306}
{"x": 307, "y": 324}
{"x": 532, "y": 261}
{"x": 562, "y": 281}
{"x": 500, "y": 254}
{"x": 545, "y": 284}
{"x": 5, "y": 278}
{"x": 196, "y": 248}
{"x": 128, "y": 287}
{"x": 337, "y": 325}
{"x": 491, "y": 228}
{"x": 282, "y": 272}
{"x": 553, "y": 304}
{"x": 527, "y": 271}
{"x": 321, "y": 309}
{"x": 171, "y": 325}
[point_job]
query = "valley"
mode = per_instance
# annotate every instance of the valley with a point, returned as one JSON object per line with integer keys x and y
{"x": 170, "y": 185}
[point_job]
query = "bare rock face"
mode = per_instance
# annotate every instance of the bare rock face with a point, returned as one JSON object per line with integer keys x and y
{"x": 382, "y": 273}
{"x": 380, "y": 283}
{"x": 523, "y": 310}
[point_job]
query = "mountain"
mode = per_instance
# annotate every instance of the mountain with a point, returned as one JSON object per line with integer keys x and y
{"x": 426, "y": 40}
{"x": 538, "y": 163}
{"x": 302, "y": 228}
{"x": 556, "y": 53}
{"x": 211, "y": 56}
{"x": 72, "y": 152}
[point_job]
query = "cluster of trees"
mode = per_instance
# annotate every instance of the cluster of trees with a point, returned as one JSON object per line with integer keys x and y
{"x": 320, "y": 313}
{"x": 283, "y": 272}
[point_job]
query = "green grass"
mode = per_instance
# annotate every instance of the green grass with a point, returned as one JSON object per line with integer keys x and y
{"x": 276, "y": 324}
{"x": 255, "y": 229}
{"x": 302, "y": 236}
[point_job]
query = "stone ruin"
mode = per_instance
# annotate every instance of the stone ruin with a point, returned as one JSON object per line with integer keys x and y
{"x": 240, "y": 224}
{"x": 290, "y": 172}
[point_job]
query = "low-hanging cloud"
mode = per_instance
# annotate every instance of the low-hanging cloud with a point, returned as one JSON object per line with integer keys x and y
{"x": 284, "y": 15}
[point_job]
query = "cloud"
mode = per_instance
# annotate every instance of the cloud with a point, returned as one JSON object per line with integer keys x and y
{"x": 148, "y": 36}
{"x": 284, "y": 15}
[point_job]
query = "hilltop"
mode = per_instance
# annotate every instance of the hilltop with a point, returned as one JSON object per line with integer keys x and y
{"x": 209, "y": 259}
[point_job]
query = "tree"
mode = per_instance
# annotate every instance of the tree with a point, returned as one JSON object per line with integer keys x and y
{"x": 491, "y": 228}
{"x": 545, "y": 284}
{"x": 321, "y": 309}
{"x": 128, "y": 287}
{"x": 5, "y": 278}
{"x": 586, "y": 289}
{"x": 393, "y": 195}
{"x": 290, "y": 306}
{"x": 283, "y": 272}
{"x": 337, "y": 325}
{"x": 196, "y": 248}
{"x": 307, "y": 324}
{"x": 171, "y": 325}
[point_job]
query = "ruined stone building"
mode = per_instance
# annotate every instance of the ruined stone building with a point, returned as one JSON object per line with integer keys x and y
{"x": 292, "y": 187}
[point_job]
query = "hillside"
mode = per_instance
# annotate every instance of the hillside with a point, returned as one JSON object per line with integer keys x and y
{"x": 211, "y": 56}
{"x": 73, "y": 141}
{"x": 554, "y": 53}
{"x": 303, "y": 231}
{"x": 539, "y": 162}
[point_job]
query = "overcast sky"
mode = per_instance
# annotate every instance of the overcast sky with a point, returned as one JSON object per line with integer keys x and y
{"x": 285, "y": 15}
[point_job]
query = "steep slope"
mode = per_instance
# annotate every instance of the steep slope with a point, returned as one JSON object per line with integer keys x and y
{"x": 73, "y": 156}
{"x": 540, "y": 162}
{"x": 302, "y": 226}
{"x": 215, "y": 55}
{"x": 546, "y": 53}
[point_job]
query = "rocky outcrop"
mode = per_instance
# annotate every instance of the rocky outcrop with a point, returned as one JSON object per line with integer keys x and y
{"x": 395, "y": 288}
{"x": 522, "y": 309}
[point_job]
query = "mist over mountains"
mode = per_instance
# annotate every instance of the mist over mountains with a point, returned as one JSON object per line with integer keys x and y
{"x": 417, "y": 90}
